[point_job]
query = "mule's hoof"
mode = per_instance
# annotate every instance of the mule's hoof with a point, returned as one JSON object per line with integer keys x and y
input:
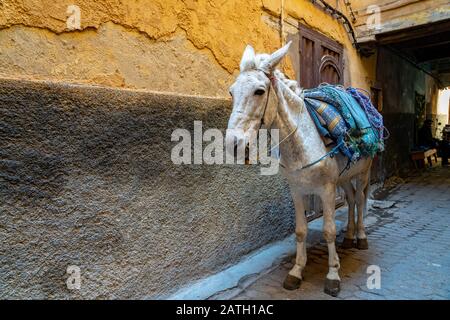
{"x": 291, "y": 282}
{"x": 362, "y": 244}
{"x": 347, "y": 243}
{"x": 332, "y": 287}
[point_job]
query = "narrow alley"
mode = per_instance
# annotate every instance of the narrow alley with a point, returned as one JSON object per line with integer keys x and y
{"x": 409, "y": 242}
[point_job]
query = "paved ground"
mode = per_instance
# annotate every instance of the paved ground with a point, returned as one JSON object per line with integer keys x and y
{"x": 409, "y": 241}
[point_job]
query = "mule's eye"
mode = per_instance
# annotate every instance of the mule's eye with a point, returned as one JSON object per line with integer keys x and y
{"x": 259, "y": 92}
{"x": 231, "y": 94}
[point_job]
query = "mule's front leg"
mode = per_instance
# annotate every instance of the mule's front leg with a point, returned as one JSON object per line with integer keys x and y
{"x": 294, "y": 277}
{"x": 332, "y": 282}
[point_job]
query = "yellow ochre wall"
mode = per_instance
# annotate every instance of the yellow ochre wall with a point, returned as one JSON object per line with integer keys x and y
{"x": 187, "y": 47}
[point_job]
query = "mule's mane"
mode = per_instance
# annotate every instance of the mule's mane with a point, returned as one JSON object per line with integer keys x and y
{"x": 291, "y": 84}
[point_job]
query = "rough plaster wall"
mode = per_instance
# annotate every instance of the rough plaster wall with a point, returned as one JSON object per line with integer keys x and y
{"x": 192, "y": 47}
{"x": 111, "y": 56}
{"x": 86, "y": 175}
{"x": 86, "y": 179}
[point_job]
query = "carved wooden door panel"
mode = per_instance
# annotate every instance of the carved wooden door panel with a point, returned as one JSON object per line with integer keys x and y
{"x": 329, "y": 71}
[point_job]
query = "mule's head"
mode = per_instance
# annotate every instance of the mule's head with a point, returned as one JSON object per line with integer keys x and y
{"x": 250, "y": 93}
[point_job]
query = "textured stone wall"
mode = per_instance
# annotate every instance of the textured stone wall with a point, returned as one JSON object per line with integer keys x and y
{"x": 86, "y": 179}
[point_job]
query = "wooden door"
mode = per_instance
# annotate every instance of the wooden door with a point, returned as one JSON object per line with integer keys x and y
{"x": 320, "y": 59}
{"x": 320, "y": 62}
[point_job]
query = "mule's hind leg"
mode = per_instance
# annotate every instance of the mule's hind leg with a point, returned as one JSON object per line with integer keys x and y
{"x": 361, "y": 194}
{"x": 333, "y": 281}
{"x": 294, "y": 277}
{"x": 349, "y": 238}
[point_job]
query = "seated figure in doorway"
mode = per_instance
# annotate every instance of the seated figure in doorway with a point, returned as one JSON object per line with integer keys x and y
{"x": 425, "y": 136}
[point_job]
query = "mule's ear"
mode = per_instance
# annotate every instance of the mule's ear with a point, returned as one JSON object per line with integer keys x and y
{"x": 248, "y": 59}
{"x": 269, "y": 65}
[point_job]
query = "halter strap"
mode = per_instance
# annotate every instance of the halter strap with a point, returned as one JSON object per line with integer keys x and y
{"x": 272, "y": 79}
{"x": 265, "y": 107}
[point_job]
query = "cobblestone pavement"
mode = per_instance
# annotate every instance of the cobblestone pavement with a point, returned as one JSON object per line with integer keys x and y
{"x": 409, "y": 241}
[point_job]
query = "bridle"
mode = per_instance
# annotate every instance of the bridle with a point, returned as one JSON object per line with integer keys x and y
{"x": 272, "y": 79}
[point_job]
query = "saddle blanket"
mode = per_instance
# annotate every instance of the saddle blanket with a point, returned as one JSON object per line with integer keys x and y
{"x": 347, "y": 117}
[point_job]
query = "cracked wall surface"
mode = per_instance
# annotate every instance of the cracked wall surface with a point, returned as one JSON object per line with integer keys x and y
{"x": 87, "y": 176}
{"x": 189, "y": 47}
{"x": 110, "y": 56}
